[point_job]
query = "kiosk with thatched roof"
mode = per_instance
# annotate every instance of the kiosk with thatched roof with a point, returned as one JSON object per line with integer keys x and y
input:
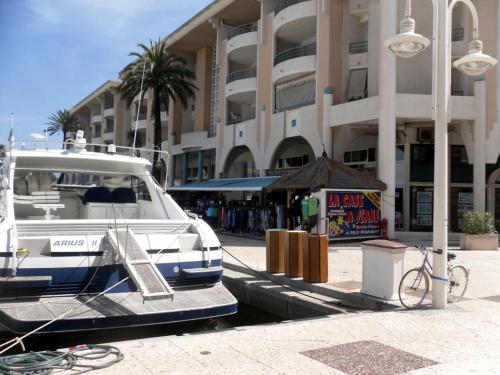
{"x": 325, "y": 173}
{"x": 349, "y": 201}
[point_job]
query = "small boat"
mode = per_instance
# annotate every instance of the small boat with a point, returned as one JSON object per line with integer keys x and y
{"x": 89, "y": 240}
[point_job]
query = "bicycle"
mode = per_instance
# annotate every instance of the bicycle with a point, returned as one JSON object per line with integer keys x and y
{"x": 415, "y": 284}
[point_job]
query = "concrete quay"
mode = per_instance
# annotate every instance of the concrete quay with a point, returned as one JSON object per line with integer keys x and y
{"x": 463, "y": 339}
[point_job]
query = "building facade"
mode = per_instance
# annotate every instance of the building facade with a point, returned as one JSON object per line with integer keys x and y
{"x": 279, "y": 81}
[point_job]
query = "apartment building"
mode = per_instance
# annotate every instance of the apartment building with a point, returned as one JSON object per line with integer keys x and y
{"x": 106, "y": 119}
{"x": 279, "y": 81}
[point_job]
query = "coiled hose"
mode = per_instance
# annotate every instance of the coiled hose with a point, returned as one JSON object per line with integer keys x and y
{"x": 80, "y": 359}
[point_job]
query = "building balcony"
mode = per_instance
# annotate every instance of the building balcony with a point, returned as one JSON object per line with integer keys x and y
{"x": 359, "y": 8}
{"x": 358, "y": 55}
{"x": 108, "y": 136}
{"x": 242, "y": 43}
{"x": 141, "y": 124}
{"x": 109, "y": 112}
{"x": 163, "y": 118}
{"x": 96, "y": 140}
{"x": 241, "y": 84}
{"x": 294, "y": 62}
{"x": 96, "y": 119}
{"x": 193, "y": 140}
{"x": 295, "y": 20}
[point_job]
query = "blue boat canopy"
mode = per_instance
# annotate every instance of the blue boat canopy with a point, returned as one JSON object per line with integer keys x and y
{"x": 227, "y": 184}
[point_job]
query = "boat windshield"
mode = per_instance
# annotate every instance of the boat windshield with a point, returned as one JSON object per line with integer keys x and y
{"x": 54, "y": 195}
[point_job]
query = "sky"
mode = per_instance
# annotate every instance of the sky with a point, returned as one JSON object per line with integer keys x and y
{"x": 56, "y": 52}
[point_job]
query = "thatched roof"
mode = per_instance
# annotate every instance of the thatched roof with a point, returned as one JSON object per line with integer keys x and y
{"x": 324, "y": 173}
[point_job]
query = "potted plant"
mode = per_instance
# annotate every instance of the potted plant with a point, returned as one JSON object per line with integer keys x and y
{"x": 479, "y": 232}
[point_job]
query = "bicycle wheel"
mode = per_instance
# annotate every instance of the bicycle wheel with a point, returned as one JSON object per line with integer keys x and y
{"x": 458, "y": 278}
{"x": 413, "y": 288}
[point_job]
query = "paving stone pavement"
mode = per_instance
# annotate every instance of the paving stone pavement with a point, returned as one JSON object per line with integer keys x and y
{"x": 464, "y": 339}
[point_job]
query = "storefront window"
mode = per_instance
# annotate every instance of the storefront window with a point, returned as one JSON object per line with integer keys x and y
{"x": 422, "y": 163}
{"x": 421, "y": 208}
{"x": 293, "y": 162}
{"x": 461, "y": 201}
{"x": 192, "y": 174}
{"x": 400, "y": 152}
{"x": 177, "y": 170}
{"x": 208, "y": 164}
{"x": 461, "y": 170}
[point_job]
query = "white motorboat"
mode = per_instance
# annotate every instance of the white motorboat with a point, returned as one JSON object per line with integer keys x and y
{"x": 89, "y": 240}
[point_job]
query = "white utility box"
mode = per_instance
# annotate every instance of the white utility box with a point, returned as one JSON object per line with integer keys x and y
{"x": 383, "y": 267}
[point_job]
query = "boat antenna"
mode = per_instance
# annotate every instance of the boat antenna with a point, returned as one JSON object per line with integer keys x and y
{"x": 139, "y": 108}
{"x": 11, "y": 134}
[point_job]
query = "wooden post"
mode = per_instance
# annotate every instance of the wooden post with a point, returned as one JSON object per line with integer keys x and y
{"x": 295, "y": 245}
{"x": 316, "y": 259}
{"x": 275, "y": 250}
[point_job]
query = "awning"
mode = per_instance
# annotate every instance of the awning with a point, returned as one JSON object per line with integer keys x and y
{"x": 227, "y": 184}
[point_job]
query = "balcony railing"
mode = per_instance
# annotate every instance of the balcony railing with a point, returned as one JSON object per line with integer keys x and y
{"x": 294, "y": 52}
{"x": 457, "y": 34}
{"x": 285, "y": 4}
{"x": 243, "y": 29}
{"x": 241, "y": 74}
{"x": 358, "y": 47}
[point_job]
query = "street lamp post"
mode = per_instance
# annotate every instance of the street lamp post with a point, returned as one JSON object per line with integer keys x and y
{"x": 408, "y": 44}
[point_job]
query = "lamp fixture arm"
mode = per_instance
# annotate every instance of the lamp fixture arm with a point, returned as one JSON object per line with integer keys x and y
{"x": 475, "y": 18}
{"x": 470, "y": 5}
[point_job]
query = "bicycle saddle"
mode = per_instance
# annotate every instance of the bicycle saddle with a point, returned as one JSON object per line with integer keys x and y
{"x": 451, "y": 256}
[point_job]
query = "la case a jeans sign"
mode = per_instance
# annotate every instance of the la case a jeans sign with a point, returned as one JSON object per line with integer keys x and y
{"x": 353, "y": 214}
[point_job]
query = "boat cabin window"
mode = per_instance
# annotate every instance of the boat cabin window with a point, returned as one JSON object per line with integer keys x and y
{"x": 55, "y": 195}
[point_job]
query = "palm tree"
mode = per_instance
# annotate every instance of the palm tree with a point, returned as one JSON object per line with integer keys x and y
{"x": 62, "y": 121}
{"x": 163, "y": 73}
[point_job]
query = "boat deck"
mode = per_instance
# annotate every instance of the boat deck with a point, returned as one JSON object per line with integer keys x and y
{"x": 115, "y": 310}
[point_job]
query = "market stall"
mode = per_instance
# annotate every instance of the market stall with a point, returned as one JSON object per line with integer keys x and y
{"x": 326, "y": 196}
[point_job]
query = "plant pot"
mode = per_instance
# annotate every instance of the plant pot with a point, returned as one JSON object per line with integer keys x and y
{"x": 479, "y": 241}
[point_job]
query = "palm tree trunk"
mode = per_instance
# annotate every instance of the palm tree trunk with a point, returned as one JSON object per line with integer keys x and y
{"x": 157, "y": 134}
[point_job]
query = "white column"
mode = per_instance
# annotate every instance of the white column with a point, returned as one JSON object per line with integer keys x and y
{"x": 386, "y": 161}
{"x": 263, "y": 145}
{"x": 327, "y": 131}
{"x": 480, "y": 145}
{"x": 442, "y": 92}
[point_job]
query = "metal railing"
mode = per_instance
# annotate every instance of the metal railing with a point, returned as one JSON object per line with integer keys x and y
{"x": 243, "y": 29}
{"x": 241, "y": 74}
{"x": 358, "y": 47}
{"x": 285, "y": 4}
{"x": 457, "y": 34}
{"x": 294, "y": 52}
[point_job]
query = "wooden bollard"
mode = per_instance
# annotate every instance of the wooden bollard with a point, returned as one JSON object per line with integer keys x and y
{"x": 275, "y": 250}
{"x": 316, "y": 259}
{"x": 295, "y": 245}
